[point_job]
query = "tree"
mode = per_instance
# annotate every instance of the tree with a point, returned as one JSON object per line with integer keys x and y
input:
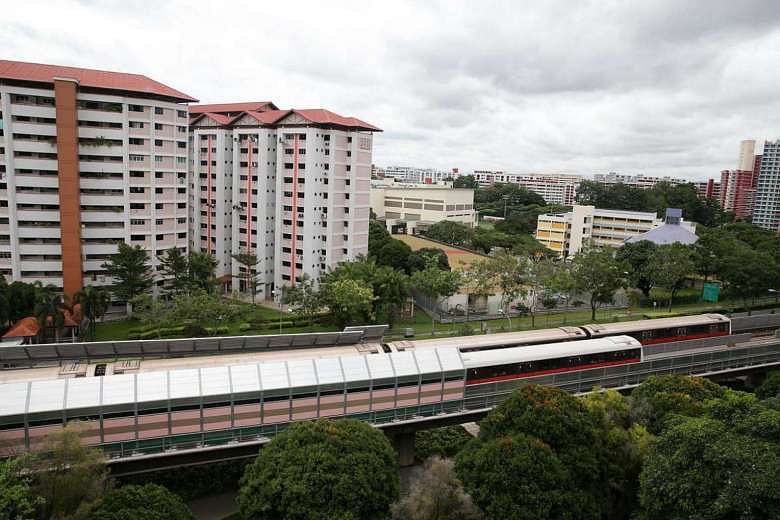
{"x": 465, "y": 181}
{"x": 346, "y": 300}
{"x": 659, "y": 397}
{"x": 670, "y": 265}
{"x": 770, "y": 387}
{"x": 303, "y": 298}
{"x": 132, "y": 276}
{"x": 48, "y": 312}
{"x": 68, "y": 475}
{"x": 638, "y": 256}
{"x": 749, "y": 273}
{"x": 518, "y": 477}
{"x": 202, "y": 268}
{"x": 17, "y": 499}
{"x": 153, "y": 313}
{"x": 420, "y": 259}
{"x": 202, "y": 308}
{"x": 5, "y": 302}
{"x": 598, "y": 273}
{"x": 446, "y": 441}
{"x": 508, "y": 274}
{"x": 449, "y": 232}
{"x": 377, "y": 236}
{"x": 248, "y": 274}
{"x": 94, "y": 303}
{"x": 699, "y": 468}
{"x": 395, "y": 254}
{"x": 22, "y": 298}
{"x": 146, "y": 502}
{"x": 175, "y": 267}
{"x": 321, "y": 469}
{"x": 436, "y": 494}
{"x": 390, "y": 287}
{"x": 436, "y": 285}
{"x": 560, "y": 421}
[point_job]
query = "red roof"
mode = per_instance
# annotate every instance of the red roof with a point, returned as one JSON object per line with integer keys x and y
{"x": 219, "y": 118}
{"x": 314, "y": 115}
{"x": 24, "y": 328}
{"x": 23, "y": 71}
{"x": 253, "y": 106}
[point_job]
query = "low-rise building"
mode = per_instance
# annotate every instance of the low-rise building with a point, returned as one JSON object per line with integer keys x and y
{"x": 406, "y": 207}
{"x": 567, "y": 233}
{"x": 639, "y": 181}
{"x": 413, "y": 174}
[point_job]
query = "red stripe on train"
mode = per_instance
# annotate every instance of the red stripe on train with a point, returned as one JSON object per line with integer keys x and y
{"x": 672, "y": 339}
{"x": 551, "y": 371}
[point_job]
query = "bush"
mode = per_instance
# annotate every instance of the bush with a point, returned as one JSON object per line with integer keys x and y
{"x": 243, "y": 327}
{"x": 147, "y": 502}
{"x": 770, "y": 387}
{"x": 194, "y": 330}
{"x": 321, "y": 469}
{"x": 192, "y": 482}
{"x": 445, "y": 442}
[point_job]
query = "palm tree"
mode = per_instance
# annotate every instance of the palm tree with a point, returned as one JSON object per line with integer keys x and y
{"x": 94, "y": 303}
{"x": 48, "y": 310}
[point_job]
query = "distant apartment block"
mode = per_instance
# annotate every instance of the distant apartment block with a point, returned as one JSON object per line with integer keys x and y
{"x": 88, "y": 159}
{"x": 567, "y": 233}
{"x": 635, "y": 181}
{"x": 708, "y": 189}
{"x": 413, "y": 175}
{"x": 406, "y": 207}
{"x": 766, "y": 208}
{"x": 554, "y": 188}
{"x": 289, "y": 186}
{"x": 737, "y": 194}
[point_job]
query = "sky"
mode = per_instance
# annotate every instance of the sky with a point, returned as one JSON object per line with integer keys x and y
{"x": 653, "y": 87}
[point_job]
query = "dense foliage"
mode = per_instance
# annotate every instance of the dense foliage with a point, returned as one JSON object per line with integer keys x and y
{"x": 146, "y": 502}
{"x": 654, "y": 200}
{"x": 444, "y": 442}
{"x": 322, "y": 469}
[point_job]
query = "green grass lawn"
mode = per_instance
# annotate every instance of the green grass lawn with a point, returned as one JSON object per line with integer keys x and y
{"x": 421, "y": 323}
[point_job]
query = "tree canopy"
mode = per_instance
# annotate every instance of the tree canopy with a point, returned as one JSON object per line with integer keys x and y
{"x": 321, "y": 470}
{"x": 599, "y": 274}
{"x": 146, "y": 502}
{"x": 132, "y": 275}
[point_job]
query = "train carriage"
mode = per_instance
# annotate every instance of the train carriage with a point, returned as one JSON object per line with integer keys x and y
{"x": 665, "y": 330}
{"x": 514, "y": 363}
{"x": 494, "y": 341}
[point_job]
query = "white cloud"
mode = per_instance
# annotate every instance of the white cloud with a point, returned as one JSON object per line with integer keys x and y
{"x": 660, "y": 87}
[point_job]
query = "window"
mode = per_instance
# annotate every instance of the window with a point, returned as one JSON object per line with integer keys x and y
{"x": 136, "y": 158}
{"x": 137, "y": 205}
{"x": 158, "y": 142}
{"x": 158, "y": 190}
{"x": 158, "y": 126}
{"x": 181, "y": 113}
{"x": 137, "y": 189}
{"x": 158, "y": 110}
{"x": 135, "y": 108}
{"x": 158, "y": 175}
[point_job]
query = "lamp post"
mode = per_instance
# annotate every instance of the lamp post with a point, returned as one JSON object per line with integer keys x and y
{"x": 278, "y": 294}
{"x": 501, "y": 311}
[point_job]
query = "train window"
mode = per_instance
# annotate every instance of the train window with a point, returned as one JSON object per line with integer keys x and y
{"x": 83, "y": 418}
{"x": 358, "y": 389}
{"x": 647, "y": 334}
{"x": 407, "y": 383}
{"x": 116, "y": 415}
{"x": 152, "y": 411}
{"x": 11, "y": 426}
{"x": 185, "y": 407}
{"x": 256, "y": 400}
{"x": 331, "y": 392}
{"x": 431, "y": 379}
{"x": 215, "y": 405}
{"x": 386, "y": 386}
{"x": 453, "y": 377}
{"x": 44, "y": 422}
{"x": 271, "y": 399}
{"x": 306, "y": 395}
{"x": 681, "y": 331}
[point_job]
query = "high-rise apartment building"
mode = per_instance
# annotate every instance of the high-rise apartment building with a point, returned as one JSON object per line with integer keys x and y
{"x": 708, "y": 189}
{"x": 555, "y": 188}
{"x": 88, "y": 159}
{"x": 766, "y": 208}
{"x": 737, "y": 192}
{"x": 289, "y": 186}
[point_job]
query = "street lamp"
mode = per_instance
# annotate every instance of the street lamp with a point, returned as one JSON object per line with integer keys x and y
{"x": 278, "y": 294}
{"x": 501, "y": 311}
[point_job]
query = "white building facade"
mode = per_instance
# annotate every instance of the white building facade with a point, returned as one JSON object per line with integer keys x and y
{"x": 554, "y": 188}
{"x": 766, "y": 206}
{"x": 409, "y": 205}
{"x": 289, "y": 186}
{"x": 88, "y": 159}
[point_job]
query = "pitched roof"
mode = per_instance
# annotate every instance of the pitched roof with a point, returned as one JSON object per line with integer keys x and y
{"x": 219, "y": 118}
{"x": 266, "y": 118}
{"x": 326, "y": 117}
{"x": 121, "y": 81}
{"x": 24, "y": 328}
{"x": 253, "y": 106}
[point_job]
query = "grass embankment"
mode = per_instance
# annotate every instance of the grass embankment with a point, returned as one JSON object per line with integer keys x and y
{"x": 421, "y": 323}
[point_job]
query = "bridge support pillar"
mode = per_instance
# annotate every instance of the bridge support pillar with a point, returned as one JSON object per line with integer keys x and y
{"x": 403, "y": 443}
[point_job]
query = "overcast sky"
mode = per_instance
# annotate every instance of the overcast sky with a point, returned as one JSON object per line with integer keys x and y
{"x": 655, "y": 87}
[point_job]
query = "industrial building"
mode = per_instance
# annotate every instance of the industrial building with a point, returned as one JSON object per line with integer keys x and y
{"x": 406, "y": 207}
